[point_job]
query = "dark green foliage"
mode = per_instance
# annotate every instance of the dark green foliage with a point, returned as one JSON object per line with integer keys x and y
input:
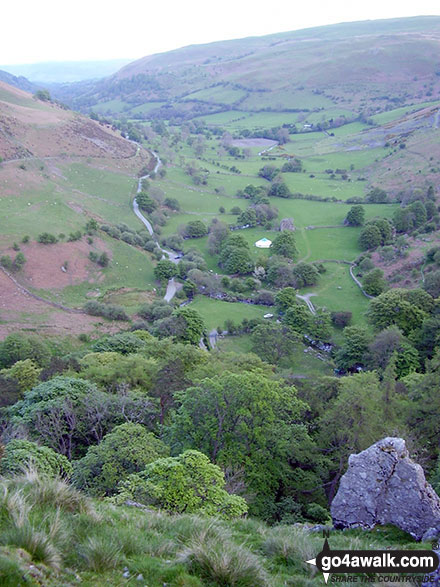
{"x": 22, "y": 454}
{"x": 272, "y": 342}
{"x": 268, "y": 172}
{"x": 189, "y": 325}
{"x": 109, "y": 311}
{"x": 196, "y": 229}
{"x": 284, "y": 244}
{"x": 292, "y": 166}
{"x": 247, "y": 218}
{"x": 394, "y": 307}
{"x": 46, "y": 238}
{"x": 125, "y": 450}
{"x": 354, "y": 347}
{"x": 246, "y": 421}
{"x": 286, "y": 298}
{"x": 235, "y": 256}
{"x": 432, "y": 284}
{"x": 145, "y": 202}
{"x": 374, "y": 283}
{"x": 172, "y": 203}
{"x": 370, "y": 237}
{"x": 355, "y": 216}
{"x": 305, "y": 274}
{"x": 341, "y": 319}
{"x": 377, "y": 196}
{"x": 18, "y": 347}
{"x": 6, "y": 261}
{"x": 165, "y": 269}
{"x": 280, "y": 190}
{"x": 124, "y": 343}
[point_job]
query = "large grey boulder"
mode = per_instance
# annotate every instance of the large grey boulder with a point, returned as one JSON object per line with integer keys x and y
{"x": 384, "y": 486}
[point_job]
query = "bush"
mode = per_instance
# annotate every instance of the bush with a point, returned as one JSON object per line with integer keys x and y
{"x": 341, "y": 319}
{"x": 109, "y": 311}
{"x": 46, "y": 238}
{"x": 20, "y": 454}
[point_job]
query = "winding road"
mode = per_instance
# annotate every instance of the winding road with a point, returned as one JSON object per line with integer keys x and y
{"x": 172, "y": 286}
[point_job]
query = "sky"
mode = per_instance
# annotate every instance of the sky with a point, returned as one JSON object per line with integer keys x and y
{"x": 56, "y": 30}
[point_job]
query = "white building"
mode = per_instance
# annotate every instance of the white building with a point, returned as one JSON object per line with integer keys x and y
{"x": 263, "y": 243}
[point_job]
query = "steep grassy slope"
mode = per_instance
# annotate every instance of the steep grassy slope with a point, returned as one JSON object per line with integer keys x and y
{"x": 53, "y": 535}
{"x": 59, "y": 171}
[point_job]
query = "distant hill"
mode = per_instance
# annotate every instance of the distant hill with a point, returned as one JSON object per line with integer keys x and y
{"x": 363, "y": 66}
{"x": 61, "y": 72}
{"x": 18, "y": 82}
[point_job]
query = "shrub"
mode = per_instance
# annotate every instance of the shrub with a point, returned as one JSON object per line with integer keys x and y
{"x": 341, "y": 319}
{"x": 46, "y": 238}
{"x": 21, "y": 453}
{"x": 109, "y": 311}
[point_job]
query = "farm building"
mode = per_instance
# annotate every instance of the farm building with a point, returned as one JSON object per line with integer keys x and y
{"x": 263, "y": 243}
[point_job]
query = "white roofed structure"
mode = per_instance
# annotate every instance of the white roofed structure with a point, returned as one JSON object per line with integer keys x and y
{"x": 263, "y": 243}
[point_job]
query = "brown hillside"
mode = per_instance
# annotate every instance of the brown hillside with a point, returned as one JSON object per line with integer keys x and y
{"x": 32, "y": 128}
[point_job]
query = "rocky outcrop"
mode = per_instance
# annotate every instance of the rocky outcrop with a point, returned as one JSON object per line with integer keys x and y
{"x": 384, "y": 486}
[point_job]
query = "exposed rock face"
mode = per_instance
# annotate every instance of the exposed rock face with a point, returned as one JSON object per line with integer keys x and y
{"x": 384, "y": 486}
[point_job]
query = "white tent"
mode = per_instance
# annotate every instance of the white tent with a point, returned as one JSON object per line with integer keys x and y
{"x": 263, "y": 243}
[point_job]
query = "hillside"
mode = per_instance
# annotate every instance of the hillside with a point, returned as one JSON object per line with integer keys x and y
{"x": 61, "y": 170}
{"x": 357, "y": 67}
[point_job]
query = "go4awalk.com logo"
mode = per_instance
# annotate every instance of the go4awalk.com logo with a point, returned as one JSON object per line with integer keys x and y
{"x": 382, "y": 562}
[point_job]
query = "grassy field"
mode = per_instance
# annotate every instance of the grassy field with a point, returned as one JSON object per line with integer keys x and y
{"x": 337, "y": 292}
{"x": 215, "y": 312}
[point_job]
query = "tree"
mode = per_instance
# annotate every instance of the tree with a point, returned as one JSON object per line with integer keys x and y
{"x": 19, "y": 261}
{"x": 46, "y": 238}
{"x": 18, "y": 347}
{"x": 279, "y": 189}
{"x": 127, "y": 449}
{"x": 432, "y": 284}
{"x": 393, "y": 307}
{"x": 284, "y": 245}
{"x": 103, "y": 260}
{"x": 354, "y": 347}
{"x": 145, "y": 202}
{"x": 188, "y": 483}
{"x": 245, "y": 422}
{"x": 305, "y": 274}
{"x": 298, "y": 318}
{"x": 268, "y": 172}
{"x": 69, "y": 414}
{"x": 165, "y": 269}
{"x": 355, "y": 216}
{"x": 286, "y": 298}
{"x": 272, "y": 342}
{"x": 320, "y": 325}
{"x": 377, "y": 196}
{"x": 235, "y": 256}
{"x": 20, "y": 454}
{"x": 189, "y": 325}
{"x": 196, "y": 229}
{"x": 374, "y": 283}
{"x": 26, "y": 373}
{"x": 370, "y": 237}
{"x": 352, "y": 422}
{"x": 247, "y": 218}
{"x": 218, "y": 233}
{"x": 341, "y": 319}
